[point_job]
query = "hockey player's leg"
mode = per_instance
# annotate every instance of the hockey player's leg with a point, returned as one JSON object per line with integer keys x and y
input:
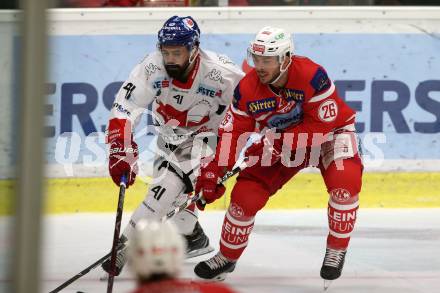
{"x": 247, "y": 198}
{"x": 164, "y": 194}
{"x": 343, "y": 185}
{"x": 160, "y": 196}
{"x": 121, "y": 258}
{"x": 197, "y": 243}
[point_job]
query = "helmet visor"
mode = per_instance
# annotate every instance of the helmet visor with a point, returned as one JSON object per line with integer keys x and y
{"x": 262, "y": 62}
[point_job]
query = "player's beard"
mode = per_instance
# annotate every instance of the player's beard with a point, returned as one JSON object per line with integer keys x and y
{"x": 177, "y": 71}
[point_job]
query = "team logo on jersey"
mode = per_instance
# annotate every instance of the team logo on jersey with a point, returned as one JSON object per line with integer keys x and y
{"x": 208, "y": 91}
{"x": 320, "y": 80}
{"x": 215, "y": 75}
{"x": 284, "y": 106}
{"x": 151, "y": 69}
{"x": 161, "y": 83}
{"x": 328, "y": 111}
{"x": 290, "y": 98}
{"x": 264, "y": 105}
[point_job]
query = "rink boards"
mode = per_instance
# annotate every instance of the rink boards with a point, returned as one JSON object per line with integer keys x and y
{"x": 306, "y": 190}
{"x": 384, "y": 62}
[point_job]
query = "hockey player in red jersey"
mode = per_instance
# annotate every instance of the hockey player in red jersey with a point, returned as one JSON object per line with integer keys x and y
{"x": 293, "y": 103}
{"x": 156, "y": 258}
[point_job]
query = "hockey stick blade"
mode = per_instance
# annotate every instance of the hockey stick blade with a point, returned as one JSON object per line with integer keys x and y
{"x": 85, "y": 271}
{"x": 193, "y": 199}
{"x": 198, "y": 196}
{"x": 115, "y": 248}
{"x": 116, "y": 233}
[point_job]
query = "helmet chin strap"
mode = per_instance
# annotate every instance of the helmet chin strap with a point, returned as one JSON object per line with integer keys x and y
{"x": 193, "y": 55}
{"x": 183, "y": 76}
{"x": 281, "y": 70}
{"x": 192, "y": 58}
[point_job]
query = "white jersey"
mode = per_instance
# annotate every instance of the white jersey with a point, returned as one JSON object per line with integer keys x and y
{"x": 193, "y": 106}
{"x": 183, "y": 113}
{"x": 180, "y": 110}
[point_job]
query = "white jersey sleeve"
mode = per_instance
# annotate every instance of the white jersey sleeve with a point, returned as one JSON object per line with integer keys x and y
{"x": 229, "y": 75}
{"x": 225, "y": 75}
{"x": 137, "y": 92}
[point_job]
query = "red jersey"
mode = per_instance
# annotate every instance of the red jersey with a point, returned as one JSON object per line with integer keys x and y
{"x": 308, "y": 103}
{"x": 180, "y": 286}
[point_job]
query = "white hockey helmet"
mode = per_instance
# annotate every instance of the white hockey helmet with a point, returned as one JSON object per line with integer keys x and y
{"x": 155, "y": 248}
{"x": 272, "y": 41}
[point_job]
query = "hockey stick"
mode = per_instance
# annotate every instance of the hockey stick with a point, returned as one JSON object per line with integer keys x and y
{"x": 199, "y": 196}
{"x": 193, "y": 199}
{"x": 85, "y": 271}
{"x": 114, "y": 249}
{"x": 116, "y": 233}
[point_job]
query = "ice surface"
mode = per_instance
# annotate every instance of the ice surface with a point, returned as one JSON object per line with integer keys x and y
{"x": 392, "y": 250}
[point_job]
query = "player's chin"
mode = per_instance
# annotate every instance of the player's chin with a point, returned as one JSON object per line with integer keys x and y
{"x": 264, "y": 79}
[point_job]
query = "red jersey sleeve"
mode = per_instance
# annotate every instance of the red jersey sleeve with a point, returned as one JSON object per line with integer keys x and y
{"x": 234, "y": 124}
{"x": 324, "y": 110}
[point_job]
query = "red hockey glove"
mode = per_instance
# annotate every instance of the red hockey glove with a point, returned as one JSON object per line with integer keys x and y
{"x": 210, "y": 173}
{"x": 123, "y": 160}
{"x": 267, "y": 149}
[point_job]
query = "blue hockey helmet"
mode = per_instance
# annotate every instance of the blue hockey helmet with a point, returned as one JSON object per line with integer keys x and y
{"x": 179, "y": 31}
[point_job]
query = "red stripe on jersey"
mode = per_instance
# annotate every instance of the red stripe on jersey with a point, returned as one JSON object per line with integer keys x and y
{"x": 168, "y": 112}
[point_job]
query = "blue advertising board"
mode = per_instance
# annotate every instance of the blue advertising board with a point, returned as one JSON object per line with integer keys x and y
{"x": 391, "y": 80}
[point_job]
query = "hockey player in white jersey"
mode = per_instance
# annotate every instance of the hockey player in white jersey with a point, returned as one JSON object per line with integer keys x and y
{"x": 189, "y": 89}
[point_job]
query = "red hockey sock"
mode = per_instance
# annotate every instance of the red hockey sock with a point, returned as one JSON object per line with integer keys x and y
{"x": 235, "y": 232}
{"x": 342, "y": 212}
